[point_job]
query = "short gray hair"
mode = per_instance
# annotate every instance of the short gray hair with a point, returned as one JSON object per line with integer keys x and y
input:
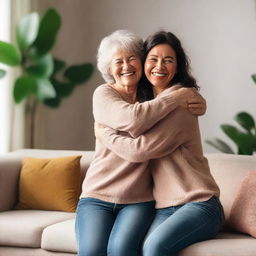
{"x": 120, "y": 39}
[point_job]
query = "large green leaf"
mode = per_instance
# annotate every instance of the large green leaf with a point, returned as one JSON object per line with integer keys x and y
{"x": 254, "y": 78}
{"x": 2, "y": 73}
{"x": 45, "y": 89}
{"x": 48, "y": 29}
{"x": 42, "y": 67}
{"x": 78, "y": 74}
{"x": 9, "y": 55}
{"x": 245, "y": 142}
{"x": 246, "y": 121}
{"x": 27, "y": 30}
{"x": 58, "y": 65}
{"x": 24, "y": 87}
{"x": 63, "y": 89}
{"x": 220, "y": 145}
{"x": 53, "y": 103}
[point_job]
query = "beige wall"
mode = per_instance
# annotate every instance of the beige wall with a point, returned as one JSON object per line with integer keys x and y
{"x": 71, "y": 125}
{"x": 219, "y": 37}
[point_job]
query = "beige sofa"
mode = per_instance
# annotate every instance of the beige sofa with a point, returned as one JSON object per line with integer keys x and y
{"x": 43, "y": 233}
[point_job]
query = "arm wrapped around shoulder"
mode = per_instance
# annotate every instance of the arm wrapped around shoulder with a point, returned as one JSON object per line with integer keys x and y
{"x": 111, "y": 110}
{"x": 167, "y": 135}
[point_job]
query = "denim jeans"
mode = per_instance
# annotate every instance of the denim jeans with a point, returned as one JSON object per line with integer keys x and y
{"x": 104, "y": 228}
{"x": 175, "y": 228}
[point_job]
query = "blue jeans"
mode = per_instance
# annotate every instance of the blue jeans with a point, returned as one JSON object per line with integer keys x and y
{"x": 175, "y": 228}
{"x": 104, "y": 228}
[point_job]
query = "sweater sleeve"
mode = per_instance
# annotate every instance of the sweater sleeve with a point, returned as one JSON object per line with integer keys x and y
{"x": 111, "y": 110}
{"x": 166, "y": 136}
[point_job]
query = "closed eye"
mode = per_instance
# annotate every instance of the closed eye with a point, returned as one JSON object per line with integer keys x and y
{"x": 152, "y": 59}
{"x": 132, "y": 58}
{"x": 168, "y": 61}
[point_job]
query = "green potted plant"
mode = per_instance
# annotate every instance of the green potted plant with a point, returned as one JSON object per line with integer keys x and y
{"x": 44, "y": 79}
{"x": 244, "y": 139}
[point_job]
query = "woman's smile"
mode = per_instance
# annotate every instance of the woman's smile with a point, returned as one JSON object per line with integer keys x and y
{"x": 158, "y": 74}
{"x": 128, "y": 73}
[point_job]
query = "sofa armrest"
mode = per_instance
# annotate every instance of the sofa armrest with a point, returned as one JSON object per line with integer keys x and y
{"x": 9, "y": 177}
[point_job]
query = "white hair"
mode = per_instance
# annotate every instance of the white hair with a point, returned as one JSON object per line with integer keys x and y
{"x": 120, "y": 39}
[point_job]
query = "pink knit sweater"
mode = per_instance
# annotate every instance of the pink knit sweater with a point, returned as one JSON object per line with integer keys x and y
{"x": 180, "y": 171}
{"x": 110, "y": 177}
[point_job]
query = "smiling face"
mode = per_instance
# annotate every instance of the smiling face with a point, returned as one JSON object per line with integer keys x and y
{"x": 160, "y": 66}
{"x": 126, "y": 68}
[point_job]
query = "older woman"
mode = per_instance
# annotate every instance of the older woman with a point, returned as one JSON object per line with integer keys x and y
{"x": 116, "y": 205}
{"x": 188, "y": 208}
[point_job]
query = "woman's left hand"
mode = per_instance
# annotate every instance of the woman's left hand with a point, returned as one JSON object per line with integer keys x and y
{"x": 197, "y": 105}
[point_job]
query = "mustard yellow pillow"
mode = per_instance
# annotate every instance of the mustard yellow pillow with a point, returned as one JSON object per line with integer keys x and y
{"x": 50, "y": 184}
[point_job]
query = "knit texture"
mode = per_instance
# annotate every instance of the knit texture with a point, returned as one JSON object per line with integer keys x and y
{"x": 110, "y": 177}
{"x": 180, "y": 171}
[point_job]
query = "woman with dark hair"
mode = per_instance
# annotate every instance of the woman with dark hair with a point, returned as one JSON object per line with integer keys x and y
{"x": 186, "y": 194}
{"x": 181, "y": 77}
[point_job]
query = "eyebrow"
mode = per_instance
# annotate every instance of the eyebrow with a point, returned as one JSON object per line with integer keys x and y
{"x": 128, "y": 57}
{"x": 166, "y": 57}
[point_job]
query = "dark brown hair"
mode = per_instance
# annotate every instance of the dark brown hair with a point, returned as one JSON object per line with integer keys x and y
{"x": 182, "y": 76}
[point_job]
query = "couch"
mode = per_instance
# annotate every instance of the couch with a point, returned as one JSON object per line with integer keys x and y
{"x": 48, "y": 233}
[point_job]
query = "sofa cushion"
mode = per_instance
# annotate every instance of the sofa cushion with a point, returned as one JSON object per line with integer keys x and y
{"x": 24, "y": 227}
{"x": 9, "y": 177}
{"x": 15, "y": 251}
{"x": 60, "y": 237}
{"x": 50, "y": 183}
{"x": 225, "y": 244}
{"x": 243, "y": 213}
{"x": 229, "y": 171}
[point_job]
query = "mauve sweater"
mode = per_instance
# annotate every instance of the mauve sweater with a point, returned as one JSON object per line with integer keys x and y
{"x": 110, "y": 177}
{"x": 180, "y": 171}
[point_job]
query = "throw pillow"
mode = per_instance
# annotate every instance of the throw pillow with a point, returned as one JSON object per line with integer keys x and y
{"x": 50, "y": 184}
{"x": 243, "y": 212}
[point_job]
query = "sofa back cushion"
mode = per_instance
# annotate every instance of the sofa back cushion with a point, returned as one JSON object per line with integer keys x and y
{"x": 229, "y": 171}
{"x": 9, "y": 177}
{"x": 85, "y": 161}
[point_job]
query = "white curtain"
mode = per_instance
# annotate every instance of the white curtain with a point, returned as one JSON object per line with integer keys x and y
{"x": 12, "y": 118}
{"x": 5, "y": 92}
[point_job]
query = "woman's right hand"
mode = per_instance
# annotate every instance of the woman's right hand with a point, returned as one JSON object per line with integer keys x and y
{"x": 190, "y": 99}
{"x": 197, "y": 105}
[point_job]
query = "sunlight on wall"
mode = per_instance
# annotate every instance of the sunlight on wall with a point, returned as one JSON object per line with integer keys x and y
{"x": 5, "y": 111}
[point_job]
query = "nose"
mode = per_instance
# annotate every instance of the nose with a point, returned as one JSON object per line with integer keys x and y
{"x": 126, "y": 64}
{"x": 159, "y": 64}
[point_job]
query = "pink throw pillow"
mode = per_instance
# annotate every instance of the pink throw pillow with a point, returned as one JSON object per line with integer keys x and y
{"x": 243, "y": 213}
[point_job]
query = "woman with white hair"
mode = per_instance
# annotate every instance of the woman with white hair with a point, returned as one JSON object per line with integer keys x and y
{"x": 116, "y": 206}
